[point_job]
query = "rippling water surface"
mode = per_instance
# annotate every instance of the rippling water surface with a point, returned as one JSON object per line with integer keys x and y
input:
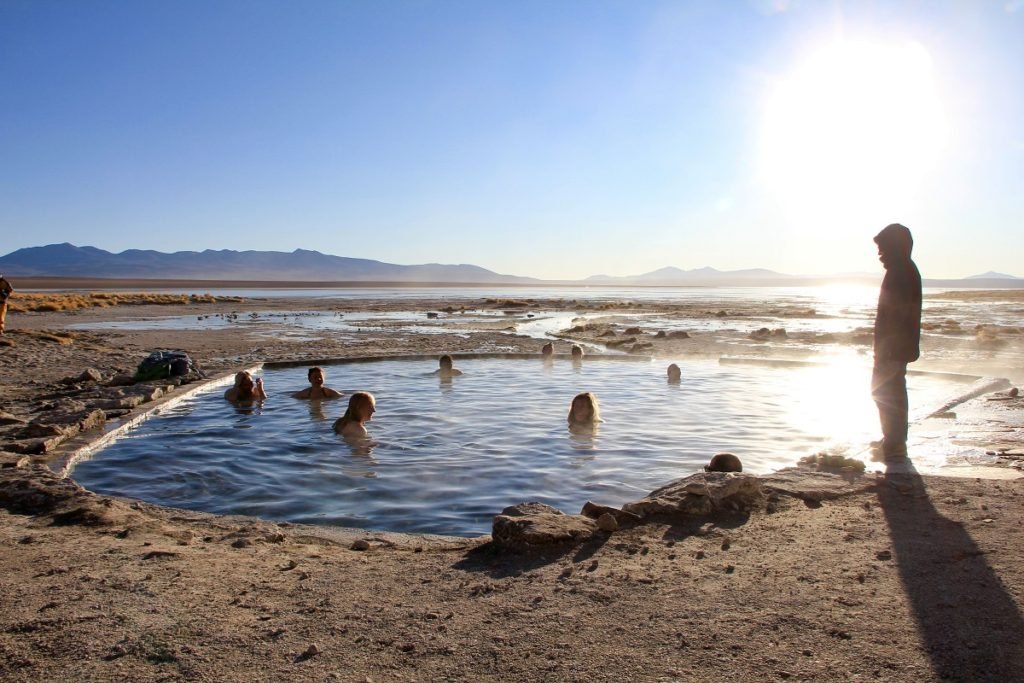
{"x": 447, "y": 456}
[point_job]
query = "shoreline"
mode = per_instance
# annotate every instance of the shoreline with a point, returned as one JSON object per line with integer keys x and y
{"x": 111, "y": 588}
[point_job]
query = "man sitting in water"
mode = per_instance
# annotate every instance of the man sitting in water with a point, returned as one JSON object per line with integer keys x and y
{"x": 576, "y": 352}
{"x": 317, "y": 390}
{"x": 446, "y": 370}
{"x": 246, "y": 388}
{"x": 548, "y": 350}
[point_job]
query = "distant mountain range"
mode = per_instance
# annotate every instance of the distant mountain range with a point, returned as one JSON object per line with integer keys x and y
{"x": 70, "y": 261}
{"x": 301, "y": 265}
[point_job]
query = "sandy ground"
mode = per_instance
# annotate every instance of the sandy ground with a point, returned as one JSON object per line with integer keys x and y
{"x": 913, "y": 579}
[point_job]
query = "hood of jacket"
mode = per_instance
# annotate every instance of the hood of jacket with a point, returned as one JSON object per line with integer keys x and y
{"x": 895, "y": 240}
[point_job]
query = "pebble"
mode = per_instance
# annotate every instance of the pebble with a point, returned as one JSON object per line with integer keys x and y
{"x": 884, "y": 555}
{"x": 361, "y": 544}
{"x": 726, "y": 544}
{"x": 312, "y": 651}
{"x": 607, "y": 522}
{"x": 699, "y": 555}
{"x": 241, "y": 543}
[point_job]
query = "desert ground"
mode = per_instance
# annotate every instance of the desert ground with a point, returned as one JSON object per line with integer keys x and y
{"x": 884, "y": 575}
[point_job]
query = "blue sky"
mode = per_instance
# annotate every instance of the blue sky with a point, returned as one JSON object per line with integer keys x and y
{"x": 552, "y": 139}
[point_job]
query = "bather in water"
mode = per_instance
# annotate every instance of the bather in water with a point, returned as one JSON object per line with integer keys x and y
{"x": 246, "y": 389}
{"x": 584, "y": 412}
{"x": 317, "y": 390}
{"x": 675, "y": 375}
{"x": 361, "y": 407}
{"x": 447, "y": 369}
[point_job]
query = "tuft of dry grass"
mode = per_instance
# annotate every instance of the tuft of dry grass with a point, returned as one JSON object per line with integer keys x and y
{"x": 35, "y": 302}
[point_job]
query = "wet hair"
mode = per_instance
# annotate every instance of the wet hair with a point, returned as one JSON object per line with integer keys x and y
{"x": 445, "y": 361}
{"x": 309, "y": 373}
{"x": 674, "y": 373}
{"x": 548, "y": 349}
{"x": 577, "y": 351}
{"x": 355, "y": 402}
{"x": 244, "y": 374}
{"x": 591, "y": 401}
{"x": 724, "y": 462}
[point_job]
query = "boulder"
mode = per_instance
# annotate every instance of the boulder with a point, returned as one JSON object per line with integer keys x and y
{"x": 121, "y": 380}
{"x": 531, "y": 525}
{"x": 118, "y": 402}
{"x": 8, "y": 419}
{"x": 814, "y": 486}
{"x": 623, "y": 518}
{"x": 15, "y": 460}
{"x": 700, "y": 495}
{"x": 87, "y": 375}
{"x": 58, "y": 423}
{"x": 35, "y": 446}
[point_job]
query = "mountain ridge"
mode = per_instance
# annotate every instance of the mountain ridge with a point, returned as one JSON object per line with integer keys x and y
{"x": 67, "y": 260}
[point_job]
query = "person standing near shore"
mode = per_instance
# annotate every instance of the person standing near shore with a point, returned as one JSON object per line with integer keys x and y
{"x": 897, "y": 336}
{"x": 5, "y": 293}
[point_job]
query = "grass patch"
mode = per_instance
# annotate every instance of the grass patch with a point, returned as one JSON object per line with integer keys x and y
{"x": 35, "y": 302}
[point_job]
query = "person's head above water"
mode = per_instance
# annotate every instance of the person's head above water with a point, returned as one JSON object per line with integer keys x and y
{"x": 724, "y": 462}
{"x": 361, "y": 407}
{"x": 584, "y": 409}
{"x": 316, "y": 376}
{"x": 246, "y": 388}
{"x": 548, "y": 349}
{"x": 895, "y": 243}
{"x": 576, "y": 351}
{"x": 674, "y": 373}
{"x": 445, "y": 362}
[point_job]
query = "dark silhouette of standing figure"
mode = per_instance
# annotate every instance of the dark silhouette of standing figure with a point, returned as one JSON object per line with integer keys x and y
{"x": 897, "y": 336}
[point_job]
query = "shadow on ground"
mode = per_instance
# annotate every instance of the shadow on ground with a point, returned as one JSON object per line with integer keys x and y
{"x": 968, "y": 621}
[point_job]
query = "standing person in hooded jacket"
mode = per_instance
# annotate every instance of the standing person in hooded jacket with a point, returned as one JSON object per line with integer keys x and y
{"x": 897, "y": 336}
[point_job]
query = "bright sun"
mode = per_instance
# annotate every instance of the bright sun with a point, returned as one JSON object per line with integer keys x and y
{"x": 849, "y": 136}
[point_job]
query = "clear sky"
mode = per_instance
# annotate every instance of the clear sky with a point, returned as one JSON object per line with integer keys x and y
{"x": 556, "y": 139}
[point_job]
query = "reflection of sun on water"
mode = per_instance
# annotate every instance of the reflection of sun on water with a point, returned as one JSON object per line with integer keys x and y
{"x": 834, "y": 400}
{"x": 850, "y": 134}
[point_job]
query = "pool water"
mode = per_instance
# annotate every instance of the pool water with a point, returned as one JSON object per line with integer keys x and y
{"x": 446, "y": 456}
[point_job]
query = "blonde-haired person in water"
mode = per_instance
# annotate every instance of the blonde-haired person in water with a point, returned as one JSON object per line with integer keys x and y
{"x": 246, "y": 388}
{"x": 361, "y": 407}
{"x": 584, "y": 411}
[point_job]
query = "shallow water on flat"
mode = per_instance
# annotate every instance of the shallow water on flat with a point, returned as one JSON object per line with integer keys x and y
{"x": 447, "y": 456}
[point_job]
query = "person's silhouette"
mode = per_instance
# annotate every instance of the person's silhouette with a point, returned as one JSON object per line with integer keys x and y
{"x": 897, "y": 336}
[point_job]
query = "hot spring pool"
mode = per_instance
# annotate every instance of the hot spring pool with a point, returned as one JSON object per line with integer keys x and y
{"x": 448, "y": 455}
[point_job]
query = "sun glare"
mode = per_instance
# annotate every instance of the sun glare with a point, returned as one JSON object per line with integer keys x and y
{"x": 849, "y": 136}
